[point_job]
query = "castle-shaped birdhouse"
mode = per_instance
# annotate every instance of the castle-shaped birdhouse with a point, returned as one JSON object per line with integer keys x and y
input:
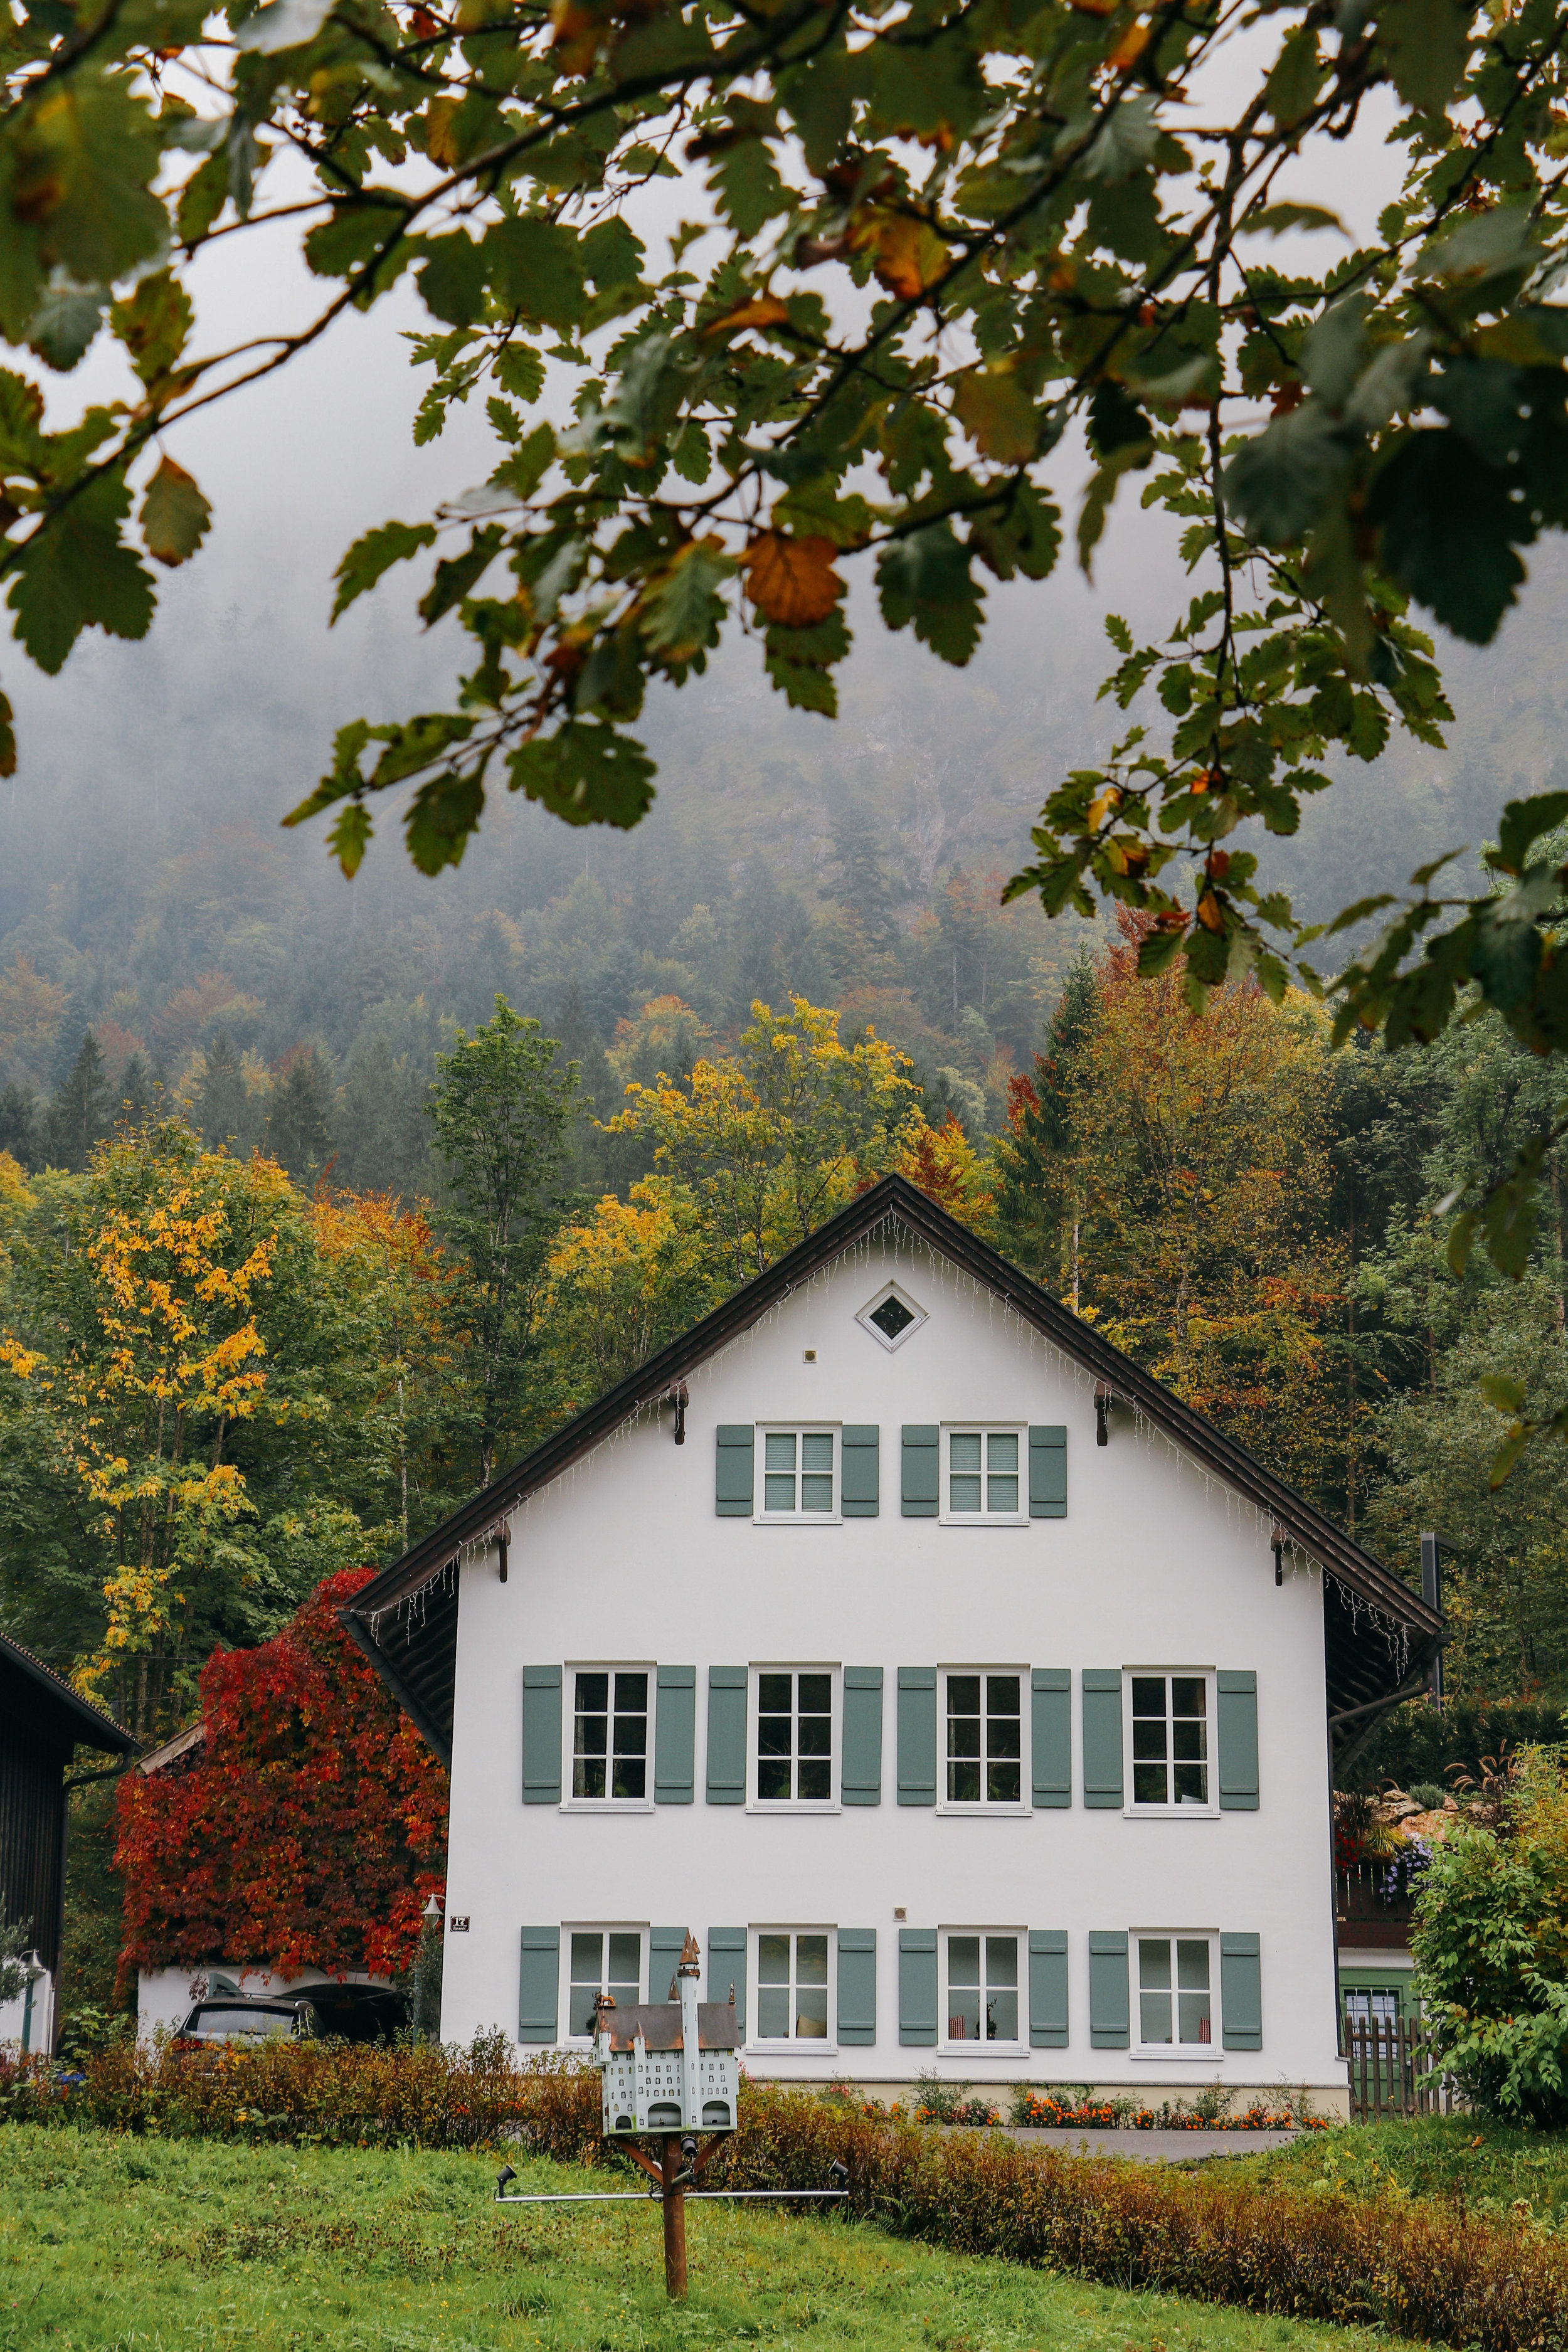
{"x": 670, "y": 2065}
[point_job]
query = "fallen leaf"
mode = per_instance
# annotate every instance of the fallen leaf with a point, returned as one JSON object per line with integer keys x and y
{"x": 792, "y": 580}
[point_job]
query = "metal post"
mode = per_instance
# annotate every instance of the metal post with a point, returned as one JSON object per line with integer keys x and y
{"x": 1432, "y": 1550}
{"x": 673, "y": 2224}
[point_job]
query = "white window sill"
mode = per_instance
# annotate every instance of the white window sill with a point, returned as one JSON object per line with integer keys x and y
{"x": 802, "y": 2048}
{"x": 1186, "y": 2053}
{"x": 983, "y": 1519}
{"x": 781, "y": 1807}
{"x": 987, "y": 1812}
{"x": 607, "y": 1805}
{"x": 798, "y": 1519}
{"x": 967, "y": 2051}
{"x": 1169, "y": 1813}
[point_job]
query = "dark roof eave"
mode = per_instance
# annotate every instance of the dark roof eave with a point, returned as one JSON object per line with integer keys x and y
{"x": 91, "y": 1726}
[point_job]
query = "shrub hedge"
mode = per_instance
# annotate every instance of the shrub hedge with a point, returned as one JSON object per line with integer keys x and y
{"x": 1418, "y": 2268}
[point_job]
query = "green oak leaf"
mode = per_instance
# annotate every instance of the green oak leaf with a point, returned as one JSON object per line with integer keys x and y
{"x": 174, "y": 515}
{"x": 76, "y": 573}
{"x": 587, "y": 773}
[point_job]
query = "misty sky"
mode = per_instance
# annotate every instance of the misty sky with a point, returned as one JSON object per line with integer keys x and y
{"x": 233, "y": 700}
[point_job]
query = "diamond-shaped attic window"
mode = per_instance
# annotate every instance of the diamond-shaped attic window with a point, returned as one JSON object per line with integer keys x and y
{"x": 892, "y": 1317}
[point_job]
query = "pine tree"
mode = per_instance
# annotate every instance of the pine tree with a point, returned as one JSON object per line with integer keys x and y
{"x": 134, "y": 1092}
{"x": 1036, "y": 1207}
{"x": 19, "y": 1125}
{"x": 221, "y": 1105}
{"x": 80, "y": 1112}
{"x": 299, "y": 1124}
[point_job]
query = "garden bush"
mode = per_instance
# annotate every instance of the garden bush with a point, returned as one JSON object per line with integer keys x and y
{"x": 1425, "y": 2270}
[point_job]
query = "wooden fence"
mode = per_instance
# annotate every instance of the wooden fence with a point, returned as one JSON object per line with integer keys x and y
{"x": 1394, "y": 2072}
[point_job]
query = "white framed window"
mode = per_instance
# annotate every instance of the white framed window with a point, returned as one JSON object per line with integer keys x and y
{"x": 793, "y": 1739}
{"x": 800, "y": 1475}
{"x": 595, "y": 1960}
{"x": 1176, "y": 1988}
{"x": 796, "y": 1972}
{"x": 985, "y": 1473}
{"x": 982, "y": 1988}
{"x": 606, "y": 1724}
{"x": 891, "y": 1316}
{"x": 1167, "y": 1715}
{"x": 982, "y": 1725}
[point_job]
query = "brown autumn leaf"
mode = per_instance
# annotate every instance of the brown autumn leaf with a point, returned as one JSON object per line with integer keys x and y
{"x": 792, "y": 580}
{"x": 1131, "y": 46}
{"x": 911, "y": 257}
{"x": 1210, "y": 913}
{"x": 997, "y": 414}
{"x": 762, "y": 310}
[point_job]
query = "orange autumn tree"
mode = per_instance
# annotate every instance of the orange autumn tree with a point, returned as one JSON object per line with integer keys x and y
{"x": 312, "y": 1827}
{"x": 1188, "y": 1154}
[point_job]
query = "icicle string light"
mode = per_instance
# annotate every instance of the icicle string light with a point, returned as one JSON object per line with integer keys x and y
{"x": 888, "y": 1246}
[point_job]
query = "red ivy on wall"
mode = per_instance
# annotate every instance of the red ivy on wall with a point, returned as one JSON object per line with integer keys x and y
{"x": 313, "y": 1827}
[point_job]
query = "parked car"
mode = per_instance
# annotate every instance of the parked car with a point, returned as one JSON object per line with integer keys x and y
{"x": 351, "y": 2013}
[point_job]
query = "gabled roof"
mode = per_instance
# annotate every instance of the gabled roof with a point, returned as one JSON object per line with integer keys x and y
{"x": 50, "y": 1704}
{"x": 1377, "y": 1628}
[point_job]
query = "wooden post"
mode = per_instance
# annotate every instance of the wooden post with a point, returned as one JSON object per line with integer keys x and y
{"x": 674, "y": 2225}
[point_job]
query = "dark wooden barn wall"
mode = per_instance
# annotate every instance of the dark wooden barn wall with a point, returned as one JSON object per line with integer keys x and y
{"x": 32, "y": 1834}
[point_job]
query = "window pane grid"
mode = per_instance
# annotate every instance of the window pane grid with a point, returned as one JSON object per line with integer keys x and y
{"x": 792, "y": 1987}
{"x": 797, "y": 1471}
{"x": 1173, "y": 1990}
{"x": 601, "y": 1960}
{"x": 985, "y": 1739}
{"x": 1169, "y": 1740}
{"x": 794, "y": 1737}
{"x": 982, "y": 1473}
{"x": 982, "y": 1988}
{"x": 609, "y": 1738}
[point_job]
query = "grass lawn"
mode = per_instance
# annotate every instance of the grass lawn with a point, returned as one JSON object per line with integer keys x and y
{"x": 116, "y": 2244}
{"x": 1460, "y": 2157}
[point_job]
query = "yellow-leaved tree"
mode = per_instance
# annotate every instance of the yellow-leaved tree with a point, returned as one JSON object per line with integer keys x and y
{"x": 623, "y": 1283}
{"x": 140, "y": 1376}
{"x": 776, "y": 1136}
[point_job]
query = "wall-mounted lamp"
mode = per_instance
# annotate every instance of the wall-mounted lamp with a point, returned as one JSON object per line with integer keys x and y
{"x": 678, "y": 1398}
{"x": 1104, "y": 1399}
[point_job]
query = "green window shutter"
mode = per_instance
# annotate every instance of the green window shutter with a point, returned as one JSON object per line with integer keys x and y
{"x": 674, "y": 1735}
{"x": 664, "y": 1950}
{"x": 1240, "y": 1992}
{"x": 1107, "y": 2010}
{"x": 1051, "y": 1735}
{"x": 733, "y": 1493}
{"x": 917, "y": 1735}
{"x": 861, "y": 1780}
{"x": 1103, "y": 1736}
{"x": 727, "y": 1967}
{"x": 1236, "y": 1707}
{"x": 858, "y": 1489}
{"x": 1047, "y": 1474}
{"x": 726, "y": 1735}
{"x": 541, "y": 1736}
{"x": 857, "y": 1985}
{"x": 917, "y": 1988}
{"x": 1048, "y": 1988}
{"x": 540, "y": 1984}
{"x": 922, "y": 1470}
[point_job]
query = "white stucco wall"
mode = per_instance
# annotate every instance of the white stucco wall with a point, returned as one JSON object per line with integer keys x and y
{"x": 28, "y": 2022}
{"x": 1155, "y": 1564}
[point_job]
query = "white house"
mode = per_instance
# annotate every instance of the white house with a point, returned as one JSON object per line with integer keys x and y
{"x": 968, "y": 1697}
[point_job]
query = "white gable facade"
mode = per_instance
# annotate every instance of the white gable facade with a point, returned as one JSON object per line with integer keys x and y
{"x": 961, "y": 1742}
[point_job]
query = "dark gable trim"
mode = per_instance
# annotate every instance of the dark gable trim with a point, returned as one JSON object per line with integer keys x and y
{"x": 82, "y": 1724}
{"x": 418, "y": 1659}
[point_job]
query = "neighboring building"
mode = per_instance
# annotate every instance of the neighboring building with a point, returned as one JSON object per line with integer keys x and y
{"x": 42, "y": 1722}
{"x": 165, "y": 1996}
{"x": 963, "y": 1690}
